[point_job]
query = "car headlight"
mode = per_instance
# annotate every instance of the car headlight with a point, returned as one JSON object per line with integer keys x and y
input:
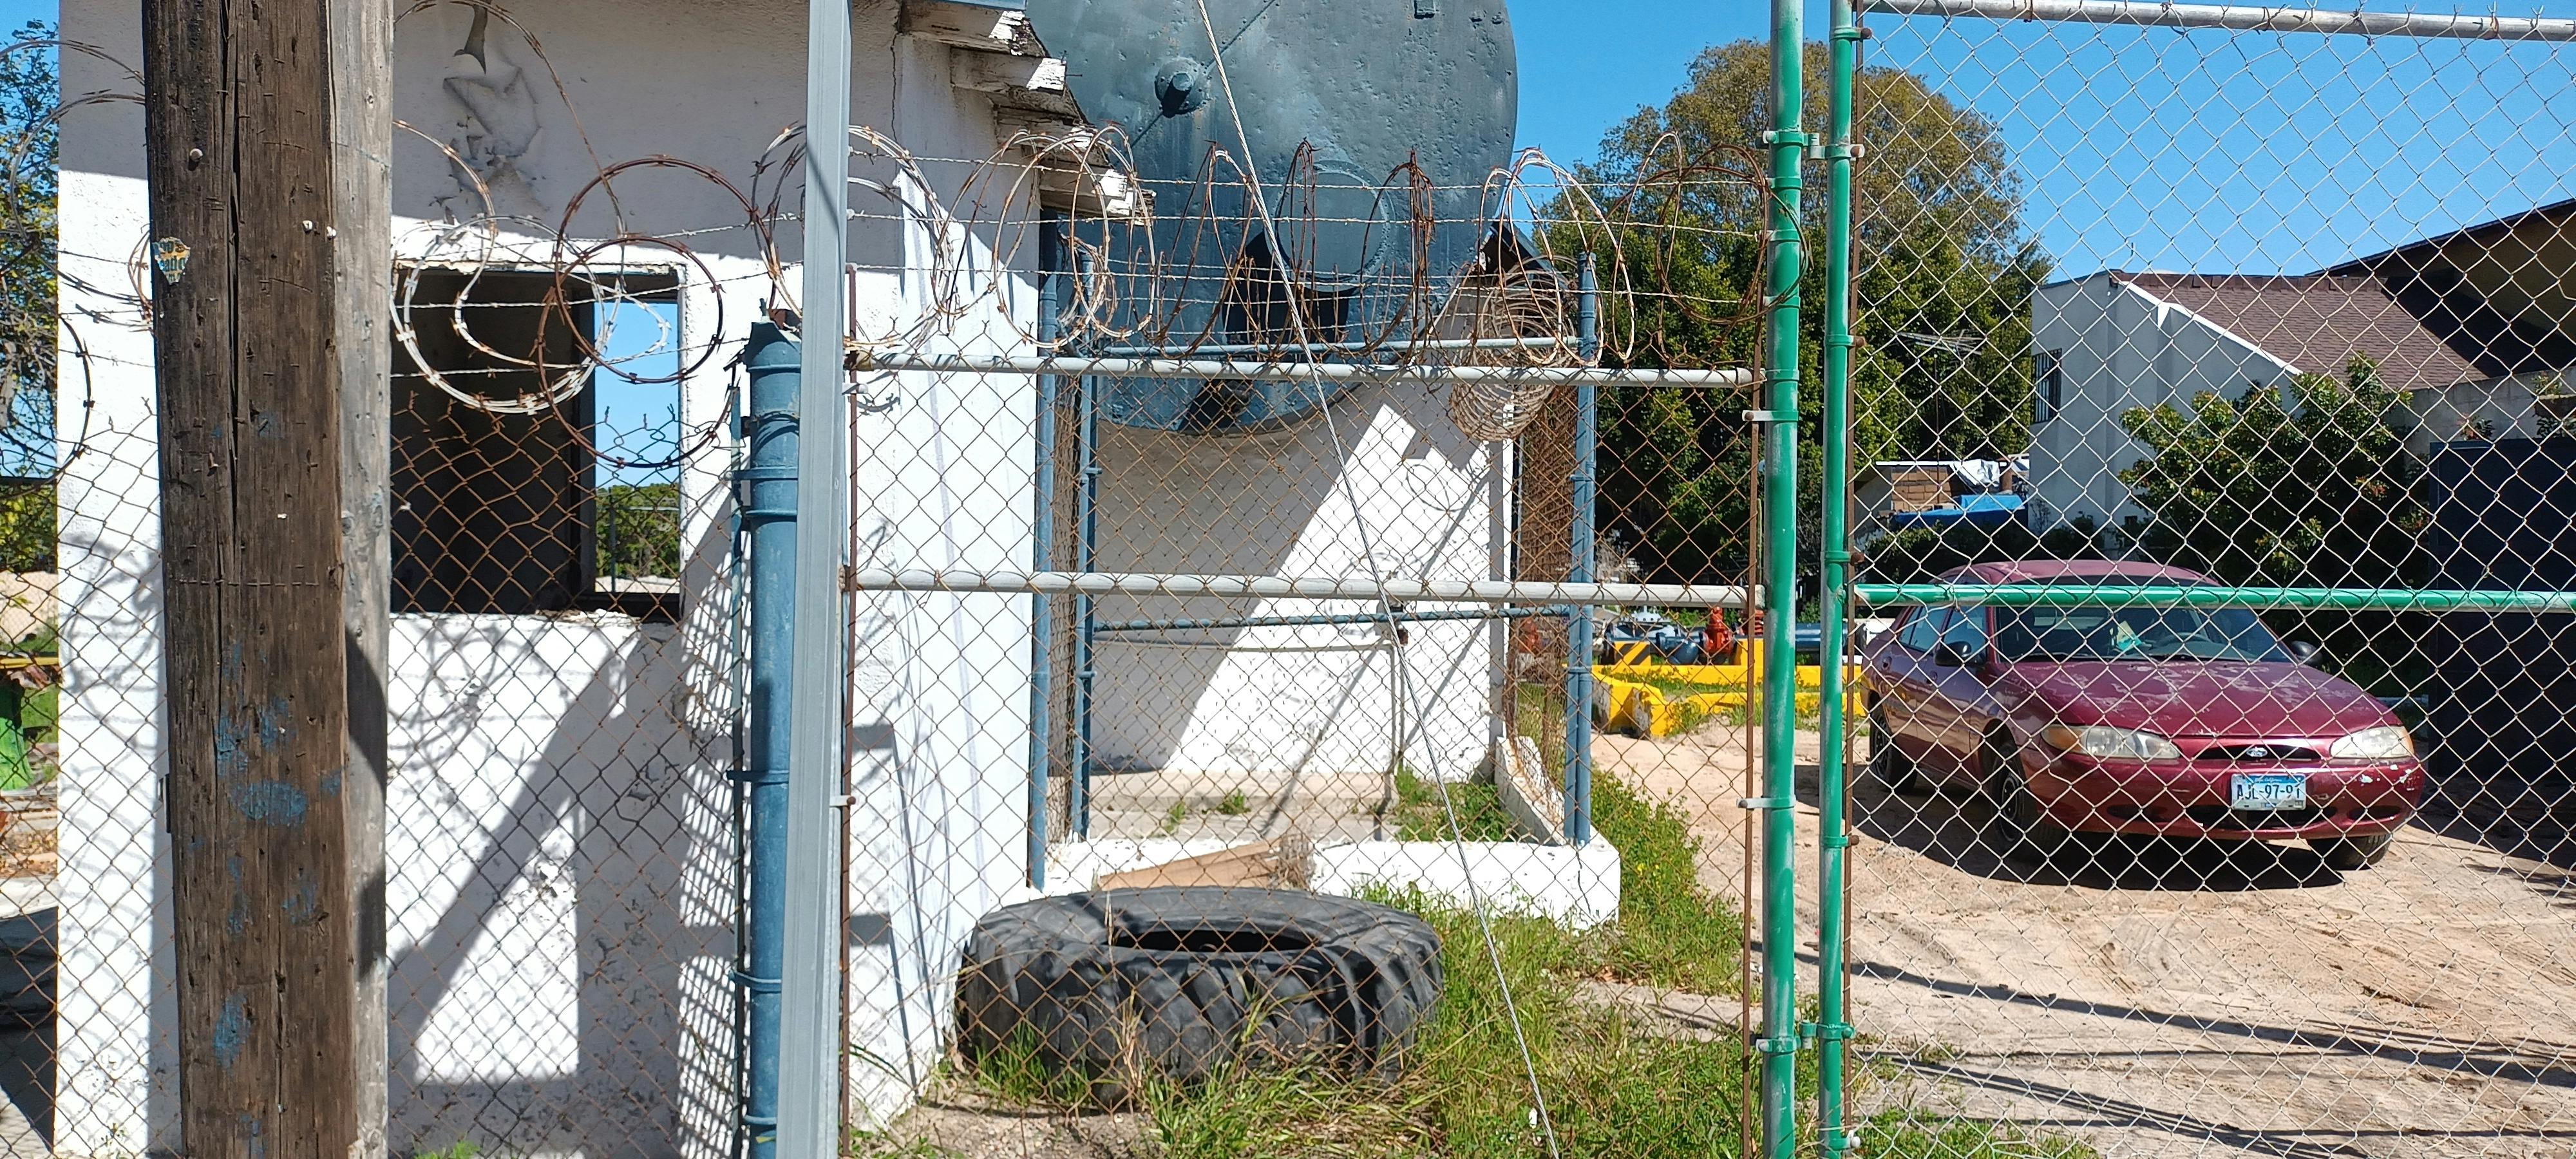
{"x": 2102, "y": 740}
{"x": 2385, "y": 743}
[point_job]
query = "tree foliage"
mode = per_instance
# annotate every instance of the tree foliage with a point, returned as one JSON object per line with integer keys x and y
{"x": 29, "y": 167}
{"x": 2314, "y": 488}
{"x": 639, "y": 530}
{"x": 1944, "y": 274}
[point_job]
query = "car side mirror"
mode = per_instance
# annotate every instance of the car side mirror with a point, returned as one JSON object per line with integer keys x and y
{"x": 2305, "y": 651}
{"x": 1948, "y": 656}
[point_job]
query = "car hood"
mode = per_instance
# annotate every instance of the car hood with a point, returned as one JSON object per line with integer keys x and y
{"x": 2201, "y": 698}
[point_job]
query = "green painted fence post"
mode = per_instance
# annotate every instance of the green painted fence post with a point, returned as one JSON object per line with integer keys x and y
{"x": 1778, "y": 1043}
{"x": 1833, "y": 1027}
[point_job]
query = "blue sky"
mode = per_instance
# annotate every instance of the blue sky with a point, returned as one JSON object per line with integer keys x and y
{"x": 2142, "y": 148}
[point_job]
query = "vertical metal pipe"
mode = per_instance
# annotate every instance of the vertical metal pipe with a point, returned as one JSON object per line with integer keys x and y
{"x": 765, "y": 500}
{"x": 1578, "y": 627}
{"x": 1042, "y": 558}
{"x": 1833, "y": 1028}
{"x": 1779, "y": 1041}
{"x": 810, "y": 1012}
{"x": 1086, "y": 531}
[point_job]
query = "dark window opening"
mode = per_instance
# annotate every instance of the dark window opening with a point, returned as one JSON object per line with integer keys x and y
{"x": 527, "y": 483}
{"x": 2051, "y": 372}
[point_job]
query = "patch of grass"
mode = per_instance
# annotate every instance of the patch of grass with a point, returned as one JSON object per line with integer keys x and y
{"x": 1172, "y": 817}
{"x": 1420, "y": 817}
{"x": 1613, "y": 1086}
{"x": 1235, "y": 804}
{"x": 460, "y": 1149}
{"x": 1671, "y": 932}
{"x": 1014, "y": 1072}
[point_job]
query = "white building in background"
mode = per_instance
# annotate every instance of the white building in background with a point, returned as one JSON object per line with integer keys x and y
{"x": 560, "y": 845}
{"x": 2470, "y": 324}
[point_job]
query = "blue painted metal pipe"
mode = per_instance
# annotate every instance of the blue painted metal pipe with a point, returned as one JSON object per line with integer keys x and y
{"x": 1042, "y": 558}
{"x": 1578, "y": 634}
{"x": 765, "y": 493}
{"x": 1086, "y": 537}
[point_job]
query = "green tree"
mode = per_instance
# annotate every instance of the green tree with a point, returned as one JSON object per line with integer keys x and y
{"x": 28, "y": 183}
{"x": 639, "y": 530}
{"x": 2315, "y": 488}
{"x": 1944, "y": 274}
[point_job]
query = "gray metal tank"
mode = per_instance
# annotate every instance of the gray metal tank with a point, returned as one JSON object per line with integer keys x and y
{"x": 1333, "y": 97}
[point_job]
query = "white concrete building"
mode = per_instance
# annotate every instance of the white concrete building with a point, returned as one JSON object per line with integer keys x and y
{"x": 2113, "y": 342}
{"x": 561, "y": 850}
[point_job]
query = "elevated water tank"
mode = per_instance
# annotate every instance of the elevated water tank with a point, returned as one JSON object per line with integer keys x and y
{"x": 1328, "y": 101}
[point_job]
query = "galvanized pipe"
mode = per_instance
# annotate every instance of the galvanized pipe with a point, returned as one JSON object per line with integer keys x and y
{"x": 1042, "y": 557}
{"x": 2241, "y": 18}
{"x": 811, "y": 1014}
{"x": 2216, "y": 596}
{"x": 765, "y": 502}
{"x": 1101, "y": 583}
{"x": 1778, "y": 1044}
{"x": 1343, "y": 372}
{"x": 1341, "y": 620}
{"x": 1334, "y": 347}
{"x": 1833, "y": 839}
{"x": 1578, "y": 633}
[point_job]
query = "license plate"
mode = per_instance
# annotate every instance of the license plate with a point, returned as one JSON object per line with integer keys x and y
{"x": 2268, "y": 791}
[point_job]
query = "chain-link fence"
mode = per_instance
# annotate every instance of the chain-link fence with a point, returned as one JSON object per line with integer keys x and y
{"x": 1338, "y": 660}
{"x": 2163, "y": 868}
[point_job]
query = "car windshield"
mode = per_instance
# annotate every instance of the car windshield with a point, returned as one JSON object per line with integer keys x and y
{"x": 2082, "y": 633}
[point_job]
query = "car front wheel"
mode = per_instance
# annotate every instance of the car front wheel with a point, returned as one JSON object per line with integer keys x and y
{"x": 2346, "y": 854}
{"x": 2019, "y": 822}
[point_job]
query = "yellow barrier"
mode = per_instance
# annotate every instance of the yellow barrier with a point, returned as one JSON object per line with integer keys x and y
{"x": 1637, "y": 698}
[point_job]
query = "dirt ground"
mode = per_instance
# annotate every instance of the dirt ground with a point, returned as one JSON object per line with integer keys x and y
{"x": 2204, "y": 999}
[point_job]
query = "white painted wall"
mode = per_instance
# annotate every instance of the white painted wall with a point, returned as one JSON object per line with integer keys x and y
{"x": 2505, "y": 404}
{"x": 2122, "y": 349}
{"x": 1386, "y": 487}
{"x": 559, "y": 842}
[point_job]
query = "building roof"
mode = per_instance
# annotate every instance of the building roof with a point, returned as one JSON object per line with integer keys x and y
{"x": 2317, "y": 322}
{"x": 2557, "y": 213}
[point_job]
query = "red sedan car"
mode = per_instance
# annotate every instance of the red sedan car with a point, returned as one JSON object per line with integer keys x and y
{"x": 2181, "y": 722}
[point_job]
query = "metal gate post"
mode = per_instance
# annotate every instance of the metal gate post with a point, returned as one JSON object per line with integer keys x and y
{"x": 1086, "y": 530}
{"x": 1833, "y": 1029}
{"x": 1578, "y": 631}
{"x": 1042, "y": 557}
{"x": 810, "y": 1011}
{"x": 1778, "y": 1043}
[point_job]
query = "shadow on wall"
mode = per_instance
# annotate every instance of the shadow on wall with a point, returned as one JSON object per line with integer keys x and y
{"x": 2503, "y": 716}
{"x": 1280, "y": 502}
{"x": 560, "y": 784}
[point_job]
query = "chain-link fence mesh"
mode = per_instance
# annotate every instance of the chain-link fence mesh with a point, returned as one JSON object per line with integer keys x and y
{"x": 2283, "y": 872}
{"x": 1307, "y": 624}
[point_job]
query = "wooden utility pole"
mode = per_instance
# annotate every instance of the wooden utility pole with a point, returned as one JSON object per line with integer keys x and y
{"x": 268, "y": 127}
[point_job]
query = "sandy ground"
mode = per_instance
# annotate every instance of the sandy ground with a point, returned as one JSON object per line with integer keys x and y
{"x": 2197, "y": 1000}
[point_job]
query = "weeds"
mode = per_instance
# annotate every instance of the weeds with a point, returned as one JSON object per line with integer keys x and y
{"x": 1172, "y": 818}
{"x": 1671, "y": 932}
{"x": 1420, "y": 817}
{"x": 1615, "y": 1086}
{"x": 1235, "y": 804}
